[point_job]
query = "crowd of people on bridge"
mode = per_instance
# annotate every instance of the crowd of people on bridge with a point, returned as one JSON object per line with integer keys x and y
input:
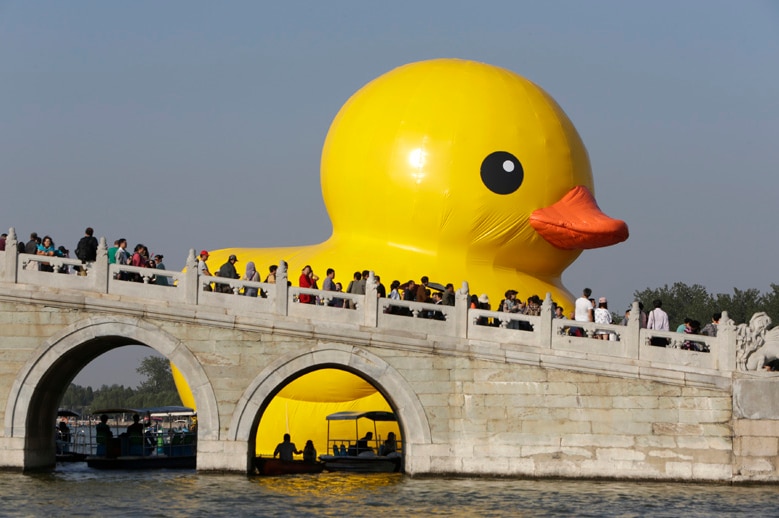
{"x": 86, "y": 252}
{"x": 586, "y": 308}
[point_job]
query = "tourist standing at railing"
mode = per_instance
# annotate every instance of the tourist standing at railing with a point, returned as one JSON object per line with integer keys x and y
{"x": 32, "y": 248}
{"x": 658, "y": 319}
{"x": 602, "y": 316}
{"x": 355, "y": 287}
{"x": 122, "y": 258}
{"x": 447, "y": 299}
{"x": 3, "y": 237}
{"x": 271, "y": 278}
{"x": 307, "y": 280}
{"x": 140, "y": 258}
{"x": 227, "y": 271}
{"x": 160, "y": 280}
{"x": 202, "y": 268}
{"x": 32, "y": 245}
{"x": 86, "y": 249}
{"x": 112, "y": 252}
{"x": 583, "y": 307}
{"x": 710, "y": 329}
{"x": 338, "y": 302}
{"x": 251, "y": 275}
{"x": 510, "y": 305}
{"x": 329, "y": 284}
{"x": 423, "y": 293}
{"x": 46, "y": 248}
{"x": 381, "y": 290}
{"x": 484, "y": 303}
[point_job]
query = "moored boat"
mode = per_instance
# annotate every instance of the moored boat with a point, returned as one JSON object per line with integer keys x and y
{"x": 154, "y": 448}
{"x": 65, "y": 447}
{"x": 270, "y": 466}
{"x": 366, "y": 454}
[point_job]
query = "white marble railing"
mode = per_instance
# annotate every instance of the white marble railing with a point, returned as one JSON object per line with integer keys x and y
{"x": 458, "y": 321}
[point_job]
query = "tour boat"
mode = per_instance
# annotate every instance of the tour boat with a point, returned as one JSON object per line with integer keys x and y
{"x": 65, "y": 446}
{"x": 158, "y": 448}
{"x": 359, "y": 455}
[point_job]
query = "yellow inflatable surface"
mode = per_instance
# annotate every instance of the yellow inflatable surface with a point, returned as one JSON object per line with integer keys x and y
{"x": 451, "y": 169}
{"x": 456, "y": 170}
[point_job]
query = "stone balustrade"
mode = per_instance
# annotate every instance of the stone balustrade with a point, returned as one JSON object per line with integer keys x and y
{"x": 457, "y": 322}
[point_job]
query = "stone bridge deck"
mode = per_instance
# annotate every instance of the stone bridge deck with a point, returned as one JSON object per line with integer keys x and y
{"x": 471, "y": 399}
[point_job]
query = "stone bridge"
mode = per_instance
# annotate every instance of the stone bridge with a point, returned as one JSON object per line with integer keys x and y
{"x": 471, "y": 399}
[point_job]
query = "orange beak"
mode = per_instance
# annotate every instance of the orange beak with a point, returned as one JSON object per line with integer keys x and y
{"x": 576, "y": 223}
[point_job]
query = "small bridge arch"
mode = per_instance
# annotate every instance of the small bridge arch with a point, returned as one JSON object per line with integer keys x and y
{"x": 38, "y": 388}
{"x": 415, "y": 428}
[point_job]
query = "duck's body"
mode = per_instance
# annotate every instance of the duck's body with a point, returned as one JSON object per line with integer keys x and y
{"x": 457, "y": 170}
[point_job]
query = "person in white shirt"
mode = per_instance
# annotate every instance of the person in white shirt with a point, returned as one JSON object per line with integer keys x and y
{"x": 602, "y": 316}
{"x": 583, "y": 307}
{"x": 658, "y": 319}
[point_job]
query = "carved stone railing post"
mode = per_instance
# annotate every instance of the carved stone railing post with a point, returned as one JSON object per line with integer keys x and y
{"x": 726, "y": 348}
{"x": 192, "y": 285}
{"x": 11, "y": 259}
{"x": 461, "y": 305}
{"x": 99, "y": 270}
{"x": 371, "y": 301}
{"x": 281, "y": 301}
{"x": 543, "y": 334}
{"x": 632, "y": 333}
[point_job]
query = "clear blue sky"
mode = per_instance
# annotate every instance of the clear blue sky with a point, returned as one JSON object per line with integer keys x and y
{"x": 131, "y": 117}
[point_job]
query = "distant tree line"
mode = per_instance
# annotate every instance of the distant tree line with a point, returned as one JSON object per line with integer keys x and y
{"x": 158, "y": 389}
{"x": 681, "y": 301}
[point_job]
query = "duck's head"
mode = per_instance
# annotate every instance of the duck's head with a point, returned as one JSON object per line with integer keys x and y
{"x": 451, "y": 155}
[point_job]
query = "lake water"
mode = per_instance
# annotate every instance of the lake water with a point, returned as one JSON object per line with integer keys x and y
{"x": 75, "y": 490}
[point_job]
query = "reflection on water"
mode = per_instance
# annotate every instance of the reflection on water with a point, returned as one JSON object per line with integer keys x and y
{"x": 77, "y": 490}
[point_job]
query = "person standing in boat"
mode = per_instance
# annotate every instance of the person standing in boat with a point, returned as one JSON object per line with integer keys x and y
{"x": 103, "y": 435}
{"x": 309, "y": 452}
{"x": 286, "y": 449}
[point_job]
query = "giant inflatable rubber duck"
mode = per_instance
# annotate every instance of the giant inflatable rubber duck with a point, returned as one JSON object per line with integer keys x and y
{"x": 448, "y": 168}
{"x": 458, "y": 170}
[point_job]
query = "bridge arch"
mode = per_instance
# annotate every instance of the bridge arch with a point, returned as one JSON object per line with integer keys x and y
{"x": 36, "y": 391}
{"x": 415, "y": 427}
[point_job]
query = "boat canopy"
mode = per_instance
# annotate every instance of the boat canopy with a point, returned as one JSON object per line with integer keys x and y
{"x": 173, "y": 410}
{"x": 374, "y": 415}
{"x": 63, "y": 412}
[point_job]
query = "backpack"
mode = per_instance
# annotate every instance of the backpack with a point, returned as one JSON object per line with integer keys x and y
{"x": 81, "y": 249}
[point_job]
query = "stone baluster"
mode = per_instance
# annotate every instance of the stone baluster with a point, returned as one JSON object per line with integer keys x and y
{"x": 543, "y": 334}
{"x": 281, "y": 298}
{"x": 460, "y": 311}
{"x": 192, "y": 284}
{"x": 11, "y": 257}
{"x": 726, "y": 346}
{"x": 99, "y": 270}
{"x": 631, "y": 336}
{"x": 371, "y": 305}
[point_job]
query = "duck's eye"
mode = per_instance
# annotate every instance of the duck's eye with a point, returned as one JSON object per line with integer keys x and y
{"x": 501, "y": 172}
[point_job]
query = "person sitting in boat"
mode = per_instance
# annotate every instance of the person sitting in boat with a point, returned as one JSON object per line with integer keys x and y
{"x": 103, "y": 435}
{"x": 63, "y": 437}
{"x": 390, "y": 445}
{"x": 309, "y": 452}
{"x": 286, "y": 449}
{"x": 362, "y": 444}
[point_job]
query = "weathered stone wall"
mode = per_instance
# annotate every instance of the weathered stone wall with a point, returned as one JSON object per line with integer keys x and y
{"x": 466, "y": 406}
